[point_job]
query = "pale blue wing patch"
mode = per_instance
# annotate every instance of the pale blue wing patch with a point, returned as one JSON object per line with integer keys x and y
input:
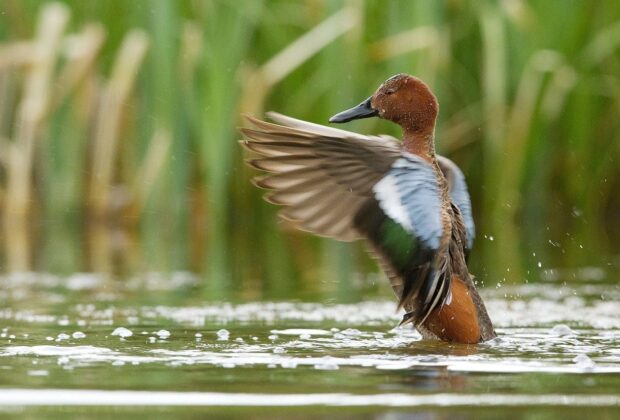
{"x": 409, "y": 194}
{"x": 459, "y": 195}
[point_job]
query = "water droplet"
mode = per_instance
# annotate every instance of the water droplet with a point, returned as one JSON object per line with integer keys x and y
{"x": 163, "y": 334}
{"x": 351, "y": 332}
{"x": 222, "y": 335}
{"x": 561, "y": 330}
{"x": 584, "y": 362}
{"x": 122, "y": 332}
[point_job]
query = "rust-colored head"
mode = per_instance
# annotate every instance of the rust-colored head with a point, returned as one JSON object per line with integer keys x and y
{"x": 403, "y": 99}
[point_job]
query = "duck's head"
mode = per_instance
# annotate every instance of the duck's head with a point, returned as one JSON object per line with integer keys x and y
{"x": 403, "y": 99}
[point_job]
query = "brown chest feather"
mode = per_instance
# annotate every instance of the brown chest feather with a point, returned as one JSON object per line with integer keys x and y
{"x": 458, "y": 320}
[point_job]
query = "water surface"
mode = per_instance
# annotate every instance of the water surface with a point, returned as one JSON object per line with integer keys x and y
{"x": 68, "y": 344}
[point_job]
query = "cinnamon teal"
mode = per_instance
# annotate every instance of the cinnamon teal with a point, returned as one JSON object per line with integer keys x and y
{"x": 409, "y": 204}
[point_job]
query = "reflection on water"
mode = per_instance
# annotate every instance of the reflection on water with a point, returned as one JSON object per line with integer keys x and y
{"x": 557, "y": 345}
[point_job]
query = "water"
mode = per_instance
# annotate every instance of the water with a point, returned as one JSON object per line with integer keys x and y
{"x": 67, "y": 345}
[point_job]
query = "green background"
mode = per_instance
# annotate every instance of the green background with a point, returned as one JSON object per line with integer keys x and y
{"x": 118, "y": 132}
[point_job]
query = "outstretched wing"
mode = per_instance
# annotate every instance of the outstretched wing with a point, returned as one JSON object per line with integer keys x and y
{"x": 404, "y": 225}
{"x": 457, "y": 188}
{"x": 321, "y": 175}
{"x": 349, "y": 186}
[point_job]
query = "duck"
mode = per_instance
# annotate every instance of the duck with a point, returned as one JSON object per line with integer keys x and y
{"x": 410, "y": 205}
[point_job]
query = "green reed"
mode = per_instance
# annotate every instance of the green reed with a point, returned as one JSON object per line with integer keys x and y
{"x": 118, "y": 138}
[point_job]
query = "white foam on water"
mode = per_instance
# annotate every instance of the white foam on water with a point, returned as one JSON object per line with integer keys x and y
{"x": 301, "y": 331}
{"x": 55, "y": 351}
{"x": 573, "y": 335}
{"x": 71, "y": 397}
{"x": 37, "y": 373}
{"x": 265, "y": 355}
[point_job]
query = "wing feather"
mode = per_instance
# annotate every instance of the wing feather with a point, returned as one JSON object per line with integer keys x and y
{"x": 457, "y": 187}
{"x": 320, "y": 174}
{"x": 406, "y": 231}
{"x": 349, "y": 186}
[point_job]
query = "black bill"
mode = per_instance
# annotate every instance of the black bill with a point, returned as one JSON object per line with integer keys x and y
{"x": 363, "y": 110}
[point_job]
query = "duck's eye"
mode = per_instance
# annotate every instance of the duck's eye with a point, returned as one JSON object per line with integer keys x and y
{"x": 390, "y": 91}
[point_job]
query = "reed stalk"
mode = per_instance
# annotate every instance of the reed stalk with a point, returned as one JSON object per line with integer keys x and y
{"x": 29, "y": 124}
{"x": 65, "y": 152}
{"x": 149, "y": 171}
{"x": 114, "y": 98}
{"x": 260, "y": 83}
{"x": 218, "y": 101}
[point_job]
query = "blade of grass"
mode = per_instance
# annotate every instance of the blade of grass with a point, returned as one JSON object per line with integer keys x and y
{"x": 114, "y": 97}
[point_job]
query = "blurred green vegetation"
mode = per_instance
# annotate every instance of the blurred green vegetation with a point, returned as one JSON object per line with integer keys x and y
{"x": 118, "y": 129}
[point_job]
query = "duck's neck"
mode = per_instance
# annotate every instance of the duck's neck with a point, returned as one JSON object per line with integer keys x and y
{"x": 421, "y": 143}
